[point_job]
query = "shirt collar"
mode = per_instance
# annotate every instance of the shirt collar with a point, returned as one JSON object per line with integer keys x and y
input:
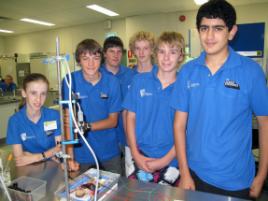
{"x": 232, "y": 61}
{"x": 154, "y": 73}
{"x": 120, "y": 71}
{"x": 135, "y": 68}
{"x": 24, "y": 112}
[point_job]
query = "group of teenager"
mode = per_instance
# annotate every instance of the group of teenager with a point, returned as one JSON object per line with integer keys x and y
{"x": 190, "y": 128}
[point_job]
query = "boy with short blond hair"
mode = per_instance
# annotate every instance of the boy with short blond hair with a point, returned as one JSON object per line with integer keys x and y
{"x": 142, "y": 45}
{"x": 150, "y": 118}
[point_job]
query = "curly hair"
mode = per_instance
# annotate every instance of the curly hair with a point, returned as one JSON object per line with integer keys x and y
{"x": 142, "y": 35}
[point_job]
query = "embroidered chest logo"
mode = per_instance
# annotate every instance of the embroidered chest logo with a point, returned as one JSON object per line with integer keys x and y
{"x": 191, "y": 84}
{"x": 24, "y": 137}
{"x": 143, "y": 93}
{"x": 231, "y": 84}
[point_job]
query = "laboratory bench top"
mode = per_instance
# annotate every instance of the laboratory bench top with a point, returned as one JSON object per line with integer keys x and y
{"x": 9, "y": 99}
{"x": 128, "y": 190}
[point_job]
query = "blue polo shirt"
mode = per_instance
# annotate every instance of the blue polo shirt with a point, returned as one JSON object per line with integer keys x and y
{"x": 125, "y": 76}
{"x": 6, "y": 87}
{"x": 97, "y": 102}
{"x": 34, "y": 137}
{"x": 135, "y": 68}
{"x": 154, "y": 116}
{"x": 219, "y": 127}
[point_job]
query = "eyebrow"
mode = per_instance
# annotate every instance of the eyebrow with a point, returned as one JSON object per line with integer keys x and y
{"x": 218, "y": 26}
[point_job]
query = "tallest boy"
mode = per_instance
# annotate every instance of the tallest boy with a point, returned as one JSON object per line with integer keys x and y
{"x": 215, "y": 97}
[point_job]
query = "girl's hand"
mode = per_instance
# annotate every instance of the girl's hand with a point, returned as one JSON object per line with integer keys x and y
{"x": 27, "y": 158}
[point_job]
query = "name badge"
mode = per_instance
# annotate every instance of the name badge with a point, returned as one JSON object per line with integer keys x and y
{"x": 50, "y": 125}
{"x": 231, "y": 84}
{"x": 103, "y": 95}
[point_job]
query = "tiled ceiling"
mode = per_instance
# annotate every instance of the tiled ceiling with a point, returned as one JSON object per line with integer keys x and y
{"x": 65, "y": 13}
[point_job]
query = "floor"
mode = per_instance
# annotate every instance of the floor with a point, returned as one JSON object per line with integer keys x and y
{"x": 264, "y": 196}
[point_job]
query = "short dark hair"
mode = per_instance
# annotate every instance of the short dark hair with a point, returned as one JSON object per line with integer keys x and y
{"x": 33, "y": 77}
{"x": 217, "y": 9}
{"x": 112, "y": 41}
{"x": 87, "y": 46}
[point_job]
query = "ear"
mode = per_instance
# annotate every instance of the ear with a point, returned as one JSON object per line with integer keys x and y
{"x": 232, "y": 32}
{"x": 181, "y": 58}
{"x": 23, "y": 93}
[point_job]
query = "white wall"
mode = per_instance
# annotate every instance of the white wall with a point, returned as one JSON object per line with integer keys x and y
{"x": 69, "y": 37}
{"x": 8, "y": 67}
{"x": 2, "y": 45}
{"x": 156, "y": 23}
{"x": 45, "y": 42}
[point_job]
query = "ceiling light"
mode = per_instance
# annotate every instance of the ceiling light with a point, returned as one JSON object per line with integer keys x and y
{"x": 6, "y": 31}
{"x": 200, "y": 2}
{"x": 102, "y": 10}
{"x": 37, "y": 22}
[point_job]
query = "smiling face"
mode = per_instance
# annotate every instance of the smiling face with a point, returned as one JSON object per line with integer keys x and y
{"x": 168, "y": 57}
{"x": 90, "y": 64}
{"x": 214, "y": 36}
{"x": 35, "y": 95}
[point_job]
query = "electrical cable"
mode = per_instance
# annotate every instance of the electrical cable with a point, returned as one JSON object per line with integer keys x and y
{"x": 2, "y": 181}
{"x": 5, "y": 188}
{"x": 69, "y": 84}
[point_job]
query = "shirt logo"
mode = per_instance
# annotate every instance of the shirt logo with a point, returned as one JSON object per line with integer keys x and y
{"x": 24, "y": 137}
{"x": 231, "y": 84}
{"x": 144, "y": 93}
{"x": 191, "y": 84}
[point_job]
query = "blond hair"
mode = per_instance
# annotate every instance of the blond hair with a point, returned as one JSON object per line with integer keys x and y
{"x": 173, "y": 39}
{"x": 139, "y": 36}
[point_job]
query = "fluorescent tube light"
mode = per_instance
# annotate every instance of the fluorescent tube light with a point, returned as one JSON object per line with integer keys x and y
{"x": 37, "y": 22}
{"x": 102, "y": 10}
{"x": 6, "y": 31}
{"x": 200, "y": 2}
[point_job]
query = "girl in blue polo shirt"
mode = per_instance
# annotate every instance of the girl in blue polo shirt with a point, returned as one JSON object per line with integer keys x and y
{"x": 34, "y": 130}
{"x": 150, "y": 118}
{"x": 99, "y": 97}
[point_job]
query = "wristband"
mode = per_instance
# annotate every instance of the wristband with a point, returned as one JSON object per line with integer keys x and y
{"x": 44, "y": 156}
{"x": 87, "y": 126}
